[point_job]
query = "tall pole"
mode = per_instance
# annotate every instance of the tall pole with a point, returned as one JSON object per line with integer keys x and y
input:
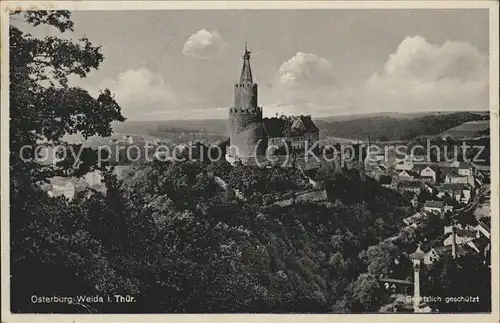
{"x": 416, "y": 258}
{"x": 416, "y": 285}
{"x": 454, "y": 241}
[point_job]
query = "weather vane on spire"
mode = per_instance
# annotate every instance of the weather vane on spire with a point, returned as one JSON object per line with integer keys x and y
{"x": 247, "y": 52}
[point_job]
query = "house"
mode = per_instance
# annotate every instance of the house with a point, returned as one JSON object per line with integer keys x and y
{"x": 458, "y": 192}
{"x": 444, "y": 170}
{"x": 415, "y": 218}
{"x": 127, "y": 139}
{"x": 404, "y": 165}
{"x": 470, "y": 239}
{"x": 429, "y": 173}
{"x": 483, "y": 229}
{"x": 448, "y": 208}
{"x": 465, "y": 169}
{"x": 434, "y": 207}
{"x": 408, "y": 186}
{"x": 93, "y": 178}
{"x": 435, "y": 254}
{"x": 61, "y": 187}
{"x": 462, "y": 236}
{"x": 408, "y": 175}
{"x": 484, "y": 170}
{"x": 431, "y": 257}
{"x": 449, "y": 228}
{"x": 468, "y": 179}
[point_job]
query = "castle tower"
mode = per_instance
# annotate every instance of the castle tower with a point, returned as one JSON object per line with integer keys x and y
{"x": 245, "y": 117}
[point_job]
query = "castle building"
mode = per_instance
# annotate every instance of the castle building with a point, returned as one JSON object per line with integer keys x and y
{"x": 251, "y": 135}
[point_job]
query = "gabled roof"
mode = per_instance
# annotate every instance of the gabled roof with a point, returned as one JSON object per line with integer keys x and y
{"x": 421, "y": 167}
{"x": 484, "y": 226}
{"x": 303, "y": 124}
{"x": 418, "y": 254}
{"x": 415, "y": 218}
{"x": 438, "y": 204}
{"x": 409, "y": 172}
{"x": 309, "y": 124}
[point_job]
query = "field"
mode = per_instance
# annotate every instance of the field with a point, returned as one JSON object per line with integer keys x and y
{"x": 470, "y": 129}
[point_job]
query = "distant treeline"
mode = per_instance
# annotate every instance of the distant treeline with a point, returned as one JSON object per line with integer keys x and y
{"x": 380, "y": 127}
{"x": 388, "y": 128}
{"x": 218, "y": 126}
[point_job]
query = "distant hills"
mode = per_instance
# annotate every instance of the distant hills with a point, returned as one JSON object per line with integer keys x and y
{"x": 396, "y": 126}
{"x": 377, "y": 126}
{"x": 471, "y": 129}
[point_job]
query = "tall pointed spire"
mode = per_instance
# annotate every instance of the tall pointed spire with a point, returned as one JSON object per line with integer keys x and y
{"x": 246, "y": 71}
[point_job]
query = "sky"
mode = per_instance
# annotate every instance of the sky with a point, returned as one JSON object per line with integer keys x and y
{"x": 171, "y": 65}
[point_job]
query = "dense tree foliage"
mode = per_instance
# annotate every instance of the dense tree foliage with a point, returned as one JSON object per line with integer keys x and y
{"x": 43, "y": 108}
{"x": 446, "y": 280}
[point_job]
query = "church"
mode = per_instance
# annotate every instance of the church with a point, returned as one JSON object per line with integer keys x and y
{"x": 251, "y": 135}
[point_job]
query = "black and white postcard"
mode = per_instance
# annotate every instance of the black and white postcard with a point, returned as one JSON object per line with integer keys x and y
{"x": 249, "y": 161}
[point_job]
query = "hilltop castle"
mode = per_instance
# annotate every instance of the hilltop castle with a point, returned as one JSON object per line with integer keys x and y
{"x": 250, "y": 135}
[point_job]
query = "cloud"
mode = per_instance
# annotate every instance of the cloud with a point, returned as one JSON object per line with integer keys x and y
{"x": 306, "y": 70}
{"x": 137, "y": 91}
{"x": 203, "y": 44}
{"x": 139, "y": 87}
{"x": 304, "y": 84}
{"x": 420, "y": 76}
